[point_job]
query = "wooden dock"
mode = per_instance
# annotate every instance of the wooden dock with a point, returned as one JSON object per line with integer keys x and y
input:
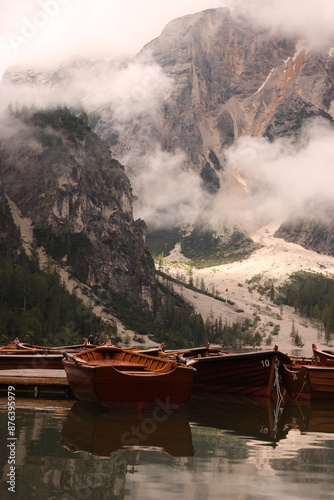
{"x": 35, "y": 382}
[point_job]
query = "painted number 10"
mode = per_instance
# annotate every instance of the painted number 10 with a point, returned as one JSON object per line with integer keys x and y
{"x": 265, "y": 362}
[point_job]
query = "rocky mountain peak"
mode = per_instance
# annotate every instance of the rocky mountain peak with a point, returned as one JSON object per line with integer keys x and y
{"x": 62, "y": 177}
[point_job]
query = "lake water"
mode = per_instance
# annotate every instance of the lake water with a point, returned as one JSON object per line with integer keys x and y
{"x": 211, "y": 448}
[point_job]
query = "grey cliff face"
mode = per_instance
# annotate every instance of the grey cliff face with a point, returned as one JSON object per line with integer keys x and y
{"x": 62, "y": 177}
{"x": 10, "y": 241}
{"x": 232, "y": 79}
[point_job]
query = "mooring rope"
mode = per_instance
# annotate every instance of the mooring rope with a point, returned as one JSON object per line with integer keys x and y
{"x": 280, "y": 396}
{"x": 302, "y": 387}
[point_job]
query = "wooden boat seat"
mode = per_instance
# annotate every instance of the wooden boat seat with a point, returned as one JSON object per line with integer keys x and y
{"x": 139, "y": 372}
{"x": 119, "y": 366}
{"x": 130, "y": 367}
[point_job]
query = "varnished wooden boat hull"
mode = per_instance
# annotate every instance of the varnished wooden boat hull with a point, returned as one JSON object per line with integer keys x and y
{"x": 247, "y": 373}
{"x": 107, "y": 386}
{"x": 103, "y": 381}
{"x": 308, "y": 382}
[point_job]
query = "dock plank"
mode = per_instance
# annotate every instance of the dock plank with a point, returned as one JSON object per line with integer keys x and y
{"x": 33, "y": 377}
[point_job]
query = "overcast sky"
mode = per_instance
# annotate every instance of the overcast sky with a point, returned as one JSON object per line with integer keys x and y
{"x": 51, "y": 30}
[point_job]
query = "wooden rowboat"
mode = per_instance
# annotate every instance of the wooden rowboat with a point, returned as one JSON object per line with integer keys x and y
{"x": 308, "y": 382}
{"x": 34, "y": 358}
{"x": 57, "y": 350}
{"x": 322, "y": 357}
{"x": 23, "y": 356}
{"x": 115, "y": 377}
{"x": 251, "y": 373}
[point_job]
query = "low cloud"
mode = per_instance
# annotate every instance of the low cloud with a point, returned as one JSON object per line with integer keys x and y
{"x": 129, "y": 90}
{"x": 139, "y": 90}
{"x": 168, "y": 194}
{"x": 263, "y": 181}
{"x": 281, "y": 178}
{"x": 311, "y": 20}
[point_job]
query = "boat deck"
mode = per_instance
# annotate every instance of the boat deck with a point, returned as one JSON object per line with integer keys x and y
{"x": 36, "y": 382}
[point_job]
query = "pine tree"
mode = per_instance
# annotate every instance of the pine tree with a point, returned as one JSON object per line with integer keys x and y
{"x": 293, "y": 331}
{"x": 272, "y": 293}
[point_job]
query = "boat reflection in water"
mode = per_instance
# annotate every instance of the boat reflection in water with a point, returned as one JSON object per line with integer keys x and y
{"x": 260, "y": 419}
{"x": 256, "y": 418}
{"x": 102, "y": 432}
{"x": 308, "y": 416}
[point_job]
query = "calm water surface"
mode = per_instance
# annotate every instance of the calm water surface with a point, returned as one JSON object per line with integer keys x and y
{"x": 211, "y": 448}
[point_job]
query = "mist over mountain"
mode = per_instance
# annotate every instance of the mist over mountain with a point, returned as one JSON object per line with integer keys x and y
{"x": 222, "y": 122}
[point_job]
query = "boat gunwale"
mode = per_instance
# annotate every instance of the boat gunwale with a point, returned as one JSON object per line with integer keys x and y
{"x": 138, "y": 373}
{"x": 134, "y": 372}
{"x": 21, "y": 346}
{"x": 242, "y": 356}
{"x": 295, "y": 368}
{"x": 323, "y": 357}
{"x": 28, "y": 354}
